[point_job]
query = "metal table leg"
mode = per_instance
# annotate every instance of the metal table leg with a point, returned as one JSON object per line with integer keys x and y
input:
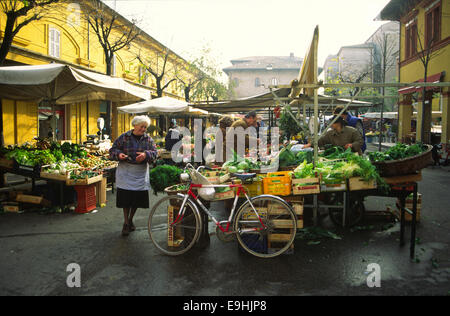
{"x": 402, "y": 220}
{"x": 344, "y": 208}
{"x": 413, "y": 223}
{"x": 315, "y": 210}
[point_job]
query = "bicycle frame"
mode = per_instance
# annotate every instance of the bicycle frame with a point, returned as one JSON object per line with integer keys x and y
{"x": 240, "y": 189}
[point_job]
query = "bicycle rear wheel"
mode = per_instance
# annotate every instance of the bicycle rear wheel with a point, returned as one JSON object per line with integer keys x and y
{"x": 174, "y": 238}
{"x": 276, "y": 229}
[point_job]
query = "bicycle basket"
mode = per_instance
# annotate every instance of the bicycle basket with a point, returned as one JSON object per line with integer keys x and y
{"x": 197, "y": 178}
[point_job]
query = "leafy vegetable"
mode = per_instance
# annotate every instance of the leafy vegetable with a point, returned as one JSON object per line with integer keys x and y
{"x": 164, "y": 176}
{"x": 396, "y": 152}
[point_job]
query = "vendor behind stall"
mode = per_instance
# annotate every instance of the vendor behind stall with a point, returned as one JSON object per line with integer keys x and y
{"x": 248, "y": 121}
{"x": 341, "y": 135}
{"x": 134, "y": 150}
{"x": 353, "y": 121}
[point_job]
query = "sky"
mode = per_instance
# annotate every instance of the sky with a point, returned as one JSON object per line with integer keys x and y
{"x": 242, "y": 28}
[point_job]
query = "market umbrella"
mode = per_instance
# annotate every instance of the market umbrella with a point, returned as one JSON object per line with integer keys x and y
{"x": 158, "y": 105}
{"x": 63, "y": 84}
{"x": 194, "y": 111}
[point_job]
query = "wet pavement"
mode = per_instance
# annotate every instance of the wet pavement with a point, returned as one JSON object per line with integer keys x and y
{"x": 37, "y": 248}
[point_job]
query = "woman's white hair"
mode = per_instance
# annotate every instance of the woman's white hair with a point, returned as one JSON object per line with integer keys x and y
{"x": 137, "y": 120}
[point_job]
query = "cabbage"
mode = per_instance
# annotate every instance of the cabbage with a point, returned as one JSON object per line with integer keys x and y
{"x": 232, "y": 169}
{"x": 243, "y": 165}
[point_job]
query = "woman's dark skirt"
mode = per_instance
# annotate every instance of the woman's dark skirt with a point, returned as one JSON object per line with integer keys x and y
{"x": 132, "y": 199}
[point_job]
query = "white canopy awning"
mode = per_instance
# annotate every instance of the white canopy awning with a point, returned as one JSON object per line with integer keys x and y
{"x": 159, "y": 105}
{"x": 63, "y": 84}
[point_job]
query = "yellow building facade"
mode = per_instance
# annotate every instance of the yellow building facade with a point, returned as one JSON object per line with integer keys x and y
{"x": 424, "y": 31}
{"x": 64, "y": 36}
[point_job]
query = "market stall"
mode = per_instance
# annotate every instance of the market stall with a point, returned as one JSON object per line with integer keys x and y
{"x": 63, "y": 163}
{"x": 66, "y": 165}
{"x": 344, "y": 178}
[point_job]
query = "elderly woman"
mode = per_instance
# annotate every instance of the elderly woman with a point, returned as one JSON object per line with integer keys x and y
{"x": 134, "y": 150}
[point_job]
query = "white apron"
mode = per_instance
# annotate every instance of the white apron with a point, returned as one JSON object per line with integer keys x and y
{"x": 133, "y": 177}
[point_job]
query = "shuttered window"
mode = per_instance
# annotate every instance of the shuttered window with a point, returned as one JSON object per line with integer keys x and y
{"x": 54, "y": 42}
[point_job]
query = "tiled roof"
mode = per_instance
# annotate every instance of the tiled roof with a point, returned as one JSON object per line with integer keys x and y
{"x": 262, "y": 62}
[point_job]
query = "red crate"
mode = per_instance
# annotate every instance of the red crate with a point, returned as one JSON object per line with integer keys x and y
{"x": 86, "y": 198}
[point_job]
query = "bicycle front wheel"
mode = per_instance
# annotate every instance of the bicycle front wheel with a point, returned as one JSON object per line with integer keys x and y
{"x": 172, "y": 234}
{"x": 271, "y": 234}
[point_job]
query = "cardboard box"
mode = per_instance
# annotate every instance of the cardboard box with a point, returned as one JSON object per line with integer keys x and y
{"x": 11, "y": 208}
{"x": 32, "y": 199}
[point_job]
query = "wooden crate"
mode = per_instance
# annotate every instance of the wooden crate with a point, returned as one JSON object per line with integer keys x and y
{"x": 214, "y": 177}
{"x": 335, "y": 187}
{"x": 55, "y": 176}
{"x": 277, "y": 241}
{"x": 85, "y": 181}
{"x": 356, "y": 183}
{"x": 305, "y": 186}
{"x": 6, "y": 163}
{"x": 174, "y": 236}
{"x": 100, "y": 192}
{"x": 166, "y": 154}
{"x": 409, "y": 205}
{"x": 224, "y": 195}
{"x": 11, "y": 207}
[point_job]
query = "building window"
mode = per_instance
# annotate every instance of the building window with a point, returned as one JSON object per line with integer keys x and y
{"x": 411, "y": 39}
{"x": 54, "y": 42}
{"x": 274, "y": 81}
{"x": 433, "y": 25}
{"x": 257, "y": 82}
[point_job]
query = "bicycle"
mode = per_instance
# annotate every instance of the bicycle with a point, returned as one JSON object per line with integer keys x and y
{"x": 264, "y": 226}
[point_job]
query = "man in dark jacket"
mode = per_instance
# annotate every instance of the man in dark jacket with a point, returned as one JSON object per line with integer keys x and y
{"x": 353, "y": 121}
{"x": 173, "y": 136}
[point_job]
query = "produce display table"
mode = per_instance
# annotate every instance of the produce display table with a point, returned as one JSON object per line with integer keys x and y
{"x": 34, "y": 174}
{"x": 400, "y": 187}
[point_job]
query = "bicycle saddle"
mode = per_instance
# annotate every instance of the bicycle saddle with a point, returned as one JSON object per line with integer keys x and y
{"x": 244, "y": 176}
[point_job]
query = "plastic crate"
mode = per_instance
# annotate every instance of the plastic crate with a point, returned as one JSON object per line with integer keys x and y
{"x": 277, "y": 183}
{"x": 86, "y": 198}
{"x": 253, "y": 189}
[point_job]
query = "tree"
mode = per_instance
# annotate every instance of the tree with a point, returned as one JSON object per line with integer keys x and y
{"x": 426, "y": 54}
{"x": 20, "y": 13}
{"x": 385, "y": 60}
{"x": 211, "y": 86}
{"x": 196, "y": 77}
{"x": 113, "y": 34}
{"x": 158, "y": 68}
